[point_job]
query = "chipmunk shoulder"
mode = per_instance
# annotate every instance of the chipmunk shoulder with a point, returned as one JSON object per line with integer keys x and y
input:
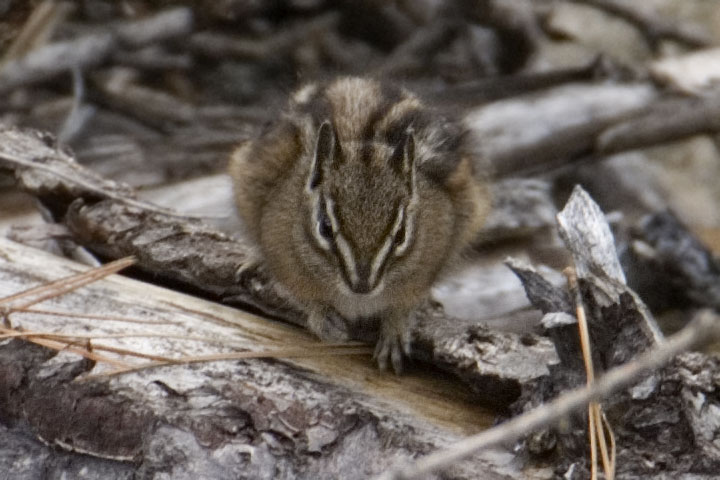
{"x": 357, "y": 199}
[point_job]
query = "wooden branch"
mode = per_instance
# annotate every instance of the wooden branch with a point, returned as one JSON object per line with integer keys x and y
{"x": 652, "y": 26}
{"x": 704, "y": 329}
{"x": 218, "y": 45}
{"x": 587, "y": 235}
{"x": 521, "y": 207}
{"x": 39, "y": 26}
{"x": 536, "y": 133}
{"x": 490, "y": 89}
{"x": 20, "y": 152}
{"x": 621, "y": 328}
{"x": 153, "y": 58}
{"x": 166, "y": 24}
{"x": 695, "y": 73}
{"x": 424, "y": 42}
{"x": 542, "y": 294}
{"x": 54, "y": 59}
{"x": 663, "y": 122}
{"x": 149, "y": 106}
{"x": 90, "y": 50}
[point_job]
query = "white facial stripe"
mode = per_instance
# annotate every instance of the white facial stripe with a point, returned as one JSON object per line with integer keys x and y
{"x": 330, "y": 207}
{"x": 408, "y": 224}
{"x": 384, "y": 251}
{"x": 398, "y": 222}
{"x": 346, "y": 256}
{"x": 380, "y": 258}
{"x": 402, "y": 248}
{"x": 345, "y": 251}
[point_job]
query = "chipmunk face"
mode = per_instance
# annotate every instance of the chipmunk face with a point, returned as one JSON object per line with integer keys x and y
{"x": 362, "y": 200}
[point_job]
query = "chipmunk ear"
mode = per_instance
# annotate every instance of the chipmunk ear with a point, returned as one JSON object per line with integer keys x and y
{"x": 402, "y": 159}
{"x": 324, "y": 155}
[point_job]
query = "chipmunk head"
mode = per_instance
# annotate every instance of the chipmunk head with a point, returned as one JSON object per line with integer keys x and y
{"x": 362, "y": 199}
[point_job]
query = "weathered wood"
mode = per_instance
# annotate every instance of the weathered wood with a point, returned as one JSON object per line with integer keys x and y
{"x": 533, "y": 133}
{"x": 704, "y": 329}
{"x": 656, "y": 423}
{"x": 312, "y": 417}
{"x": 653, "y": 27}
{"x": 665, "y": 121}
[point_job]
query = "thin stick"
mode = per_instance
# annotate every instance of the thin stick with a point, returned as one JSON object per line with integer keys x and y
{"x": 585, "y": 345}
{"x": 704, "y": 329}
{"x": 63, "y": 285}
{"x": 93, "y": 188}
{"x": 87, "y": 316}
{"x": 607, "y": 455}
{"x": 613, "y": 449}
{"x": 83, "y": 352}
{"x": 596, "y": 431}
{"x": 69, "y": 341}
{"x": 130, "y": 353}
{"x": 10, "y": 333}
{"x": 37, "y": 29}
{"x": 593, "y": 439}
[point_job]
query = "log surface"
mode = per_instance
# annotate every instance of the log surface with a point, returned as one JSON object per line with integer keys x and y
{"x": 312, "y": 417}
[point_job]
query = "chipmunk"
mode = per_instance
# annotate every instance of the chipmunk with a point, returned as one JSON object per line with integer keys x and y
{"x": 357, "y": 199}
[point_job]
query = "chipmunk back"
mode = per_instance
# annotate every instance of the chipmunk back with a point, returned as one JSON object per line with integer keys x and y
{"x": 357, "y": 199}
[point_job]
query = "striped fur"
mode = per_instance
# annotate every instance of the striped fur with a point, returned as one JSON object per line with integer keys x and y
{"x": 357, "y": 199}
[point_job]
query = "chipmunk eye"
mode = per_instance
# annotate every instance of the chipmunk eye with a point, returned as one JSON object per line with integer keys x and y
{"x": 325, "y": 226}
{"x": 323, "y": 223}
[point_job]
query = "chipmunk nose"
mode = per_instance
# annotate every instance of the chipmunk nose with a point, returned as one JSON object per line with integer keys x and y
{"x": 362, "y": 283}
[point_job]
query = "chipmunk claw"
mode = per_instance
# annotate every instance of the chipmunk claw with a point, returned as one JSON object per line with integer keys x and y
{"x": 392, "y": 347}
{"x": 252, "y": 264}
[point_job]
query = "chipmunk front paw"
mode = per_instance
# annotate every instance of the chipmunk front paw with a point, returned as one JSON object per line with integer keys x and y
{"x": 394, "y": 344}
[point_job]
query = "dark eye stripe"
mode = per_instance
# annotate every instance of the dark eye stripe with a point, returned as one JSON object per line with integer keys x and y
{"x": 400, "y": 235}
{"x": 323, "y": 231}
{"x": 325, "y": 228}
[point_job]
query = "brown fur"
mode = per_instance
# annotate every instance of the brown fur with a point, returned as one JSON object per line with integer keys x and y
{"x": 370, "y": 120}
